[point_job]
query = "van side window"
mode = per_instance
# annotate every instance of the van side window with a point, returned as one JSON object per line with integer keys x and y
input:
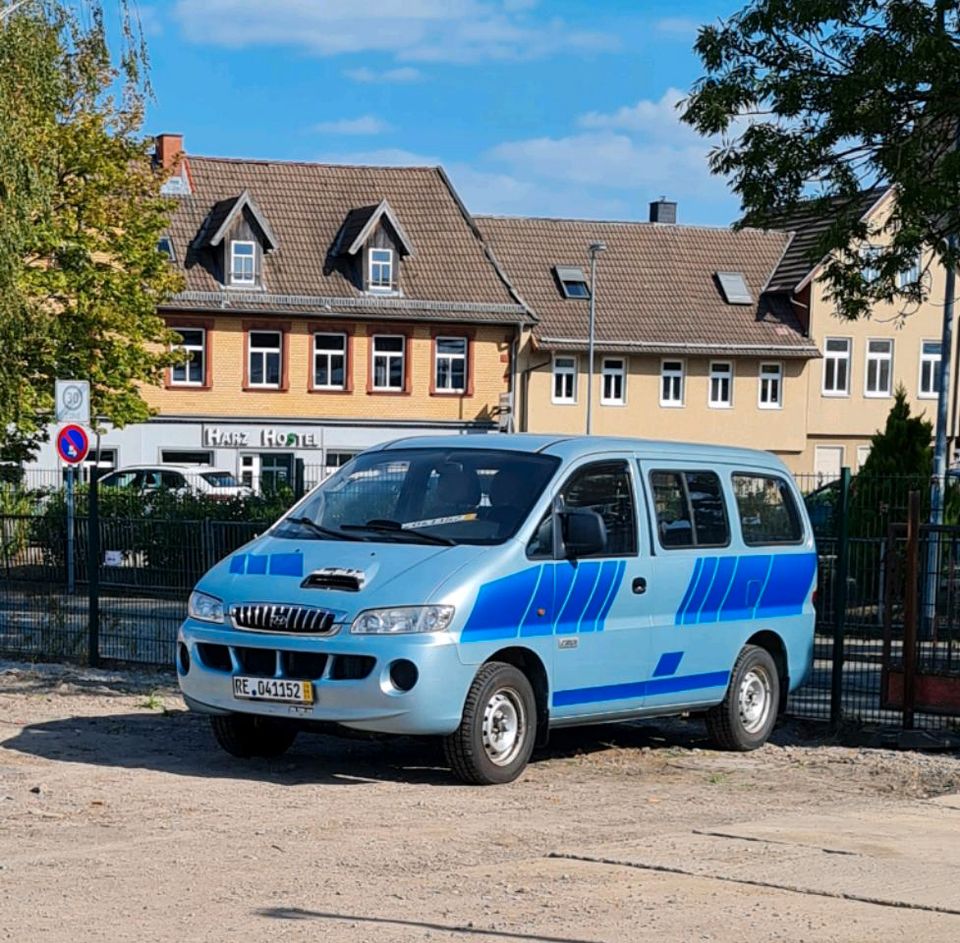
{"x": 690, "y": 509}
{"x": 768, "y": 513}
{"x": 605, "y": 488}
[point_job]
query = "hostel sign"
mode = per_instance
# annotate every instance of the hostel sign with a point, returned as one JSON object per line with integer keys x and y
{"x": 215, "y": 437}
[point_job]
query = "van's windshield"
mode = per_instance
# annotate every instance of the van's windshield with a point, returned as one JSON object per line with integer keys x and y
{"x": 437, "y": 496}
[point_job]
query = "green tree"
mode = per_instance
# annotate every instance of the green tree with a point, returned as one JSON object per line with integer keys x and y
{"x": 80, "y": 216}
{"x": 817, "y": 100}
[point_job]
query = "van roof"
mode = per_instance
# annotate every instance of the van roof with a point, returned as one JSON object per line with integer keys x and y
{"x": 574, "y": 446}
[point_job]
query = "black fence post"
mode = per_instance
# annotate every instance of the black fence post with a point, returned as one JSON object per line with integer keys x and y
{"x": 840, "y": 597}
{"x": 93, "y": 568}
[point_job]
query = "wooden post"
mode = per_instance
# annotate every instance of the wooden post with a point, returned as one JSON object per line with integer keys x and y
{"x": 911, "y": 609}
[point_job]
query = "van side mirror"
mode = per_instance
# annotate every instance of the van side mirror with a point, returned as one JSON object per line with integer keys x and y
{"x": 584, "y": 532}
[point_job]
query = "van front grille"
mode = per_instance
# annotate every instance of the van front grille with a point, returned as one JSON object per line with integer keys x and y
{"x": 272, "y": 617}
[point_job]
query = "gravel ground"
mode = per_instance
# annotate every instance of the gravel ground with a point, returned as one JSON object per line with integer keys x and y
{"x": 121, "y": 820}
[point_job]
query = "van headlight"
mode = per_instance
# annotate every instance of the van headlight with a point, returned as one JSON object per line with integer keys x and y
{"x": 204, "y": 607}
{"x": 402, "y": 620}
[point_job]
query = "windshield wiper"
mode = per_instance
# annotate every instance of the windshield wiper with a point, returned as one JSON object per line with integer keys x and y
{"x": 396, "y": 529}
{"x": 311, "y": 524}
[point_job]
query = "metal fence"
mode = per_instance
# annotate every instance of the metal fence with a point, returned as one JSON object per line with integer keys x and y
{"x": 135, "y": 563}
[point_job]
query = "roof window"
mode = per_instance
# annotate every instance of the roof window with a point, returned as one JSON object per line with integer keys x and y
{"x": 165, "y": 247}
{"x": 734, "y": 288}
{"x": 573, "y": 283}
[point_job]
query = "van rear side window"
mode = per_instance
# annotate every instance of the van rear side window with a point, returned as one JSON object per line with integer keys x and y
{"x": 768, "y": 513}
{"x": 690, "y": 509}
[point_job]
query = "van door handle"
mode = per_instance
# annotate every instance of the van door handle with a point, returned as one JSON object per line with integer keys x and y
{"x": 639, "y": 585}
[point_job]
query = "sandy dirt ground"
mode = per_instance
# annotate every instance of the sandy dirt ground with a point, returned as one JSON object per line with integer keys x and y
{"x": 120, "y": 820}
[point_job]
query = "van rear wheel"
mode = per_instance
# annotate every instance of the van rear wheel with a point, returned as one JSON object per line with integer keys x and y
{"x": 246, "y": 735}
{"x": 745, "y": 718}
{"x": 495, "y": 738}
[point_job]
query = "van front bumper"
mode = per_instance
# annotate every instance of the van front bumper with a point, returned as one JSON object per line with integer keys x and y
{"x": 351, "y": 676}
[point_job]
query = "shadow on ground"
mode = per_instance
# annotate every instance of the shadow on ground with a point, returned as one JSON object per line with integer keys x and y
{"x": 181, "y": 742}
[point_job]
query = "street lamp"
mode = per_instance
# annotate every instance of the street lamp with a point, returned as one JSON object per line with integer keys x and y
{"x": 595, "y": 249}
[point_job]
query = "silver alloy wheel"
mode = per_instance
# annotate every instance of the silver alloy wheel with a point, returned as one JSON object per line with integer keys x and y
{"x": 756, "y": 699}
{"x": 504, "y": 727}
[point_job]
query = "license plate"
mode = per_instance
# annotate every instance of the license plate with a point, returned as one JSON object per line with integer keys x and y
{"x": 273, "y": 689}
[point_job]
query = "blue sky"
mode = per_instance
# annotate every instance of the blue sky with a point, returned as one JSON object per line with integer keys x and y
{"x": 536, "y": 107}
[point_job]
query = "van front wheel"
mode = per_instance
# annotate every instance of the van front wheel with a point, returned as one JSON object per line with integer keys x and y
{"x": 496, "y": 734}
{"x": 745, "y": 718}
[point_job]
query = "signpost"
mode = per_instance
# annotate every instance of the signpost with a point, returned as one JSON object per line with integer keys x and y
{"x": 73, "y": 443}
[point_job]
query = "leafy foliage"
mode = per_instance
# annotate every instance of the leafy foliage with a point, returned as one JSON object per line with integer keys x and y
{"x": 818, "y": 100}
{"x": 80, "y": 217}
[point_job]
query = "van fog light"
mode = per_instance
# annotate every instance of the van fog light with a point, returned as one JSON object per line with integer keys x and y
{"x": 403, "y": 674}
{"x": 183, "y": 658}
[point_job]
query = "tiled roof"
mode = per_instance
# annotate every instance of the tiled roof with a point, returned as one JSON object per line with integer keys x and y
{"x": 306, "y": 205}
{"x": 808, "y": 227}
{"x": 656, "y": 286}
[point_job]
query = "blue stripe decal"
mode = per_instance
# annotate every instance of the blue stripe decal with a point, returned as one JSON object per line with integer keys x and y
{"x": 614, "y": 589}
{"x": 678, "y": 619}
{"x": 238, "y": 563}
{"x": 500, "y": 607}
{"x": 745, "y": 590}
{"x": 718, "y": 591}
{"x": 635, "y": 689}
{"x": 583, "y": 585}
{"x": 668, "y": 664}
{"x": 702, "y": 588}
{"x": 533, "y": 623}
{"x": 257, "y": 564}
{"x": 286, "y": 564}
{"x": 790, "y": 580}
{"x": 564, "y": 576}
{"x": 588, "y": 621}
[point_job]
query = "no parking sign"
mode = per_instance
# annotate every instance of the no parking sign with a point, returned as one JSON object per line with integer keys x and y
{"x": 73, "y": 443}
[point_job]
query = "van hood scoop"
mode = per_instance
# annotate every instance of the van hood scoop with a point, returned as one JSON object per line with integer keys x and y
{"x": 336, "y": 578}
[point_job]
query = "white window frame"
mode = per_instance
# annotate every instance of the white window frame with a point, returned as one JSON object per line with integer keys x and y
{"x": 190, "y": 348}
{"x": 388, "y": 263}
{"x": 572, "y": 371}
{"x": 777, "y": 379}
{"x": 388, "y": 357}
{"x": 912, "y": 274}
{"x": 451, "y": 359}
{"x": 264, "y": 353}
{"x": 720, "y": 375}
{"x": 827, "y": 357}
{"x": 934, "y": 368}
{"x": 607, "y": 371}
{"x": 868, "y": 258}
{"x": 680, "y": 374}
{"x": 863, "y": 453}
{"x": 879, "y": 358}
{"x": 252, "y": 280}
{"x": 328, "y": 353}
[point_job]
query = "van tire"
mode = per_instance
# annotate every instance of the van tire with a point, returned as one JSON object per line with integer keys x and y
{"x": 247, "y": 735}
{"x": 745, "y": 718}
{"x": 498, "y": 728}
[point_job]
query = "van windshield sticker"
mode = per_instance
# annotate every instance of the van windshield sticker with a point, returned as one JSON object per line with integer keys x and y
{"x": 435, "y": 521}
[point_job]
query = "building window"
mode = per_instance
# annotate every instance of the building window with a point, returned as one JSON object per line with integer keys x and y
{"x": 721, "y": 384}
{"x": 388, "y": 365}
{"x": 381, "y": 269}
{"x": 450, "y": 368}
{"x": 265, "y": 359}
{"x": 194, "y": 371}
{"x": 614, "y": 377}
{"x": 929, "y": 368}
{"x": 243, "y": 257}
{"x": 836, "y": 367}
{"x": 868, "y": 262}
{"x": 771, "y": 386}
{"x": 165, "y": 247}
{"x": 573, "y": 283}
{"x": 671, "y": 383}
{"x": 564, "y": 379}
{"x": 911, "y": 276}
{"x": 879, "y": 368}
{"x": 329, "y": 361}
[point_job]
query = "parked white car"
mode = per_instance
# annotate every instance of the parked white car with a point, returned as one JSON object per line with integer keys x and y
{"x": 203, "y": 480}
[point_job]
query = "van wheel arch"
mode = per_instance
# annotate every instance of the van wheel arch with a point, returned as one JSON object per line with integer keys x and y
{"x": 529, "y": 662}
{"x": 773, "y": 643}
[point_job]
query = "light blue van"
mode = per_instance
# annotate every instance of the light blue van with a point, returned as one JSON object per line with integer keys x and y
{"x": 486, "y": 589}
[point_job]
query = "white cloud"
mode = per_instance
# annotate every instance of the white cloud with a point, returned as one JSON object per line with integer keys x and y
{"x": 381, "y": 157}
{"x": 681, "y": 27}
{"x": 369, "y": 76}
{"x": 412, "y": 30}
{"x": 365, "y": 124}
{"x": 659, "y": 119}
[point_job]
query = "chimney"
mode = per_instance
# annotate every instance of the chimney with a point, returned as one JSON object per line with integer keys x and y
{"x": 169, "y": 147}
{"x": 663, "y": 211}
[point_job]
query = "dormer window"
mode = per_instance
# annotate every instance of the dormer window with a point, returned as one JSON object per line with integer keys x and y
{"x": 380, "y": 275}
{"x": 573, "y": 283}
{"x": 243, "y": 256}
